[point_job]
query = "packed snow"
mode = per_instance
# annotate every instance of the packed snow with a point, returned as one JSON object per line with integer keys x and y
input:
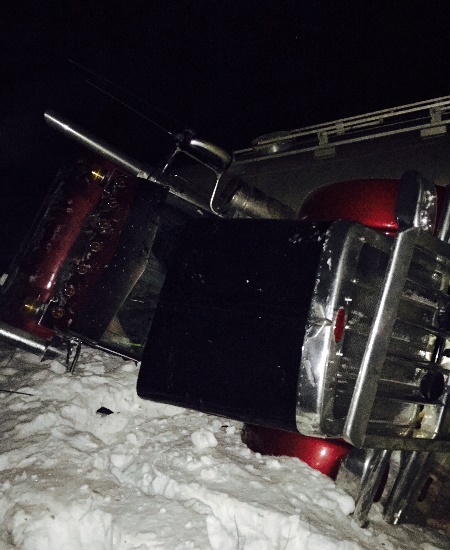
{"x": 86, "y": 464}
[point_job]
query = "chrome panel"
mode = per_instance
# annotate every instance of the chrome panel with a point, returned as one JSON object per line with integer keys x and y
{"x": 348, "y": 249}
{"x": 407, "y": 486}
{"x": 379, "y": 337}
{"x": 398, "y": 400}
{"x": 426, "y": 500}
{"x": 361, "y": 475}
{"x": 46, "y": 349}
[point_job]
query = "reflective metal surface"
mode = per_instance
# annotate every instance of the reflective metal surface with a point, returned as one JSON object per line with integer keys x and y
{"x": 106, "y": 151}
{"x": 416, "y": 202}
{"x": 369, "y": 374}
{"x": 353, "y": 255}
{"x": 407, "y": 486}
{"x": 426, "y": 500}
{"x": 240, "y": 200}
{"x": 444, "y": 222}
{"x": 362, "y": 474}
{"x": 97, "y": 145}
{"x": 206, "y": 152}
{"x": 383, "y": 383}
{"x": 31, "y": 343}
{"x": 429, "y": 117}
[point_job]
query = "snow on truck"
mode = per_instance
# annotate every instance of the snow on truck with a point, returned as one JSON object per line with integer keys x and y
{"x": 300, "y": 286}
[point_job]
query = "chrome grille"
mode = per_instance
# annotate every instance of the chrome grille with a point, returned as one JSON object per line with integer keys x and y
{"x": 405, "y": 406}
{"x": 417, "y": 363}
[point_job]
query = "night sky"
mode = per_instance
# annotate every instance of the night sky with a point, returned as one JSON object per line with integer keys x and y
{"x": 232, "y": 70}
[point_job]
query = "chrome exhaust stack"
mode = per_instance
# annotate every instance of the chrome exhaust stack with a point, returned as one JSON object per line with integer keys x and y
{"x": 45, "y": 349}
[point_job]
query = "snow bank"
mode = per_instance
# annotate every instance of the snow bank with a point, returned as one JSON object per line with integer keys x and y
{"x": 86, "y": 464}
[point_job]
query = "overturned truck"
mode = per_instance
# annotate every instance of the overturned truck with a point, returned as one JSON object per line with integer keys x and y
{"x": 300, "y": 286}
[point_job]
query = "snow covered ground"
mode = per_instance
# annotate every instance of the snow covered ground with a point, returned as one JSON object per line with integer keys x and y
{"x": 155, "y": 476}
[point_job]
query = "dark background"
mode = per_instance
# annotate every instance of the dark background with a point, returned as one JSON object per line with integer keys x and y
{"x": 232, "y": 70}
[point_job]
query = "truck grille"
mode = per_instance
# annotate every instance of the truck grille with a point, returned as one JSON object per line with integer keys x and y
{"x": 410, "y": 402}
